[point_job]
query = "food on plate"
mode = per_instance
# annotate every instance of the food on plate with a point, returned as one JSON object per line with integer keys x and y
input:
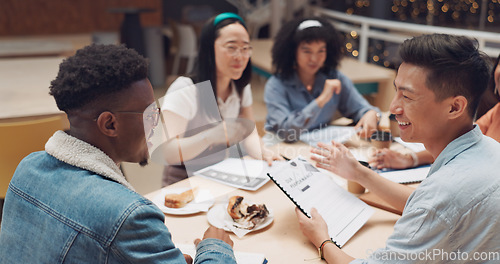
{"x": 178, "y": 200}
{"x": 245, "y": 215}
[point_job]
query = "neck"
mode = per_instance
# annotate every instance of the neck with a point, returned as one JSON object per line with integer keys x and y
{"x": 83, "y": 131}
{"x": 306, "y": 79}
{"x": 223, "y": 87}
{"x": 452, "y": 132}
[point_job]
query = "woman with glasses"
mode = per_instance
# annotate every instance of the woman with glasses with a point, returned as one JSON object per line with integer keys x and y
{"x": 223, "y": 60}
{"x": 307, "y": 89}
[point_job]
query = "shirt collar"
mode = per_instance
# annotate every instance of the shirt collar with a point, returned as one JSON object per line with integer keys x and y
{"x": 81, "y": 154}
{"x": 296, "y": 83}
{"x": 233, "y": 95}
{"x": 456, "y": 147}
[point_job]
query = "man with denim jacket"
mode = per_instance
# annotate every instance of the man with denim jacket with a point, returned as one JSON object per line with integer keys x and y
{"x": 71, "y": 203}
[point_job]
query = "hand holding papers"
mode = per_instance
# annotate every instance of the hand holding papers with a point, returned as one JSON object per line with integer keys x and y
{"x": 307, "y": 187}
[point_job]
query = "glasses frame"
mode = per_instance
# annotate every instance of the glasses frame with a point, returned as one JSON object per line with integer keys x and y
{"x": 153, "y": 115}
{"x": 228, "y": 48}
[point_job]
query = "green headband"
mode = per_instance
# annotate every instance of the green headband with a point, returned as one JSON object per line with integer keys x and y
{"x": 225, "y": 16}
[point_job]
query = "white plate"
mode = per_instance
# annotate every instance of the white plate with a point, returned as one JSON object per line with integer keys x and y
{"x": 201, "y": 203}
{"x": 218, "y": 215}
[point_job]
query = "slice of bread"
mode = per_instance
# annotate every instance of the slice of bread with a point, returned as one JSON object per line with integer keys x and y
{"x": 179, "y": 200}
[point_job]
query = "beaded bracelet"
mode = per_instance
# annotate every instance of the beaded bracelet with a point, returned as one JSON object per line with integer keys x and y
{"x": 320, "y": 249}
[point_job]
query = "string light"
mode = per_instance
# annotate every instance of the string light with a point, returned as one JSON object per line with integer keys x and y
{"x": 449, "y": 13}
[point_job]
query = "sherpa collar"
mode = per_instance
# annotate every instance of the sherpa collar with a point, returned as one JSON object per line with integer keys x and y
{"x": 81, "y": 154}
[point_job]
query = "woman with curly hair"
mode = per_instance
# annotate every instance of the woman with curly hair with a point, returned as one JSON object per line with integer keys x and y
{"x": 307, "y": 89}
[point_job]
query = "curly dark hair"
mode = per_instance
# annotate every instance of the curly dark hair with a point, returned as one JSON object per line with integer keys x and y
{"x": 96, "y": 71}
{"x": 289, "y": 37}
{"x": 454, "y": 64}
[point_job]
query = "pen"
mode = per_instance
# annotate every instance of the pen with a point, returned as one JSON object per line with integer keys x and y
{"x": 287, "y": 159}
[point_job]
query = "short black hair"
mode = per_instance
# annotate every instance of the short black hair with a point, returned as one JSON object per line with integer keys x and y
{"x": 289, "y": 38}
{"x": 96, "y": 71}
{"x": 205, "y": 68}
{"x": 454, "y": 65}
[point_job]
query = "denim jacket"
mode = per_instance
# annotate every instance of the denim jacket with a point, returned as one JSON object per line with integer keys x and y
{"x": 71, "y": 204}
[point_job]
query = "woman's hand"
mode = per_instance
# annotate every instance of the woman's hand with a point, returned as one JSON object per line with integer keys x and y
{"x": 386, "y": 158}
{"x": 331, "y": 86}
{"x": 314, "y": 228}
{"x": 368, "y": 124}
{"x": 269, "y": 156}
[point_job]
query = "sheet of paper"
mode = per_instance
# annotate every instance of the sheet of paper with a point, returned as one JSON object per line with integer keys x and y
{"x": 245, "y": 174}
{"x": 327, "y": 134}
{"x": 416, "y": 147}
{"x": 304, "y": 184}
{"x": 241, "y": 257}
{"x": 412, "y": 175}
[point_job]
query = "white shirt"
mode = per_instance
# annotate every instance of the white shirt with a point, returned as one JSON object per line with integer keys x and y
{"x": 182, "y": 98}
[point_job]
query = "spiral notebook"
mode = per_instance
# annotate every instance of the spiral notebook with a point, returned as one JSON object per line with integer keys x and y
{"x": 307, "y": 187}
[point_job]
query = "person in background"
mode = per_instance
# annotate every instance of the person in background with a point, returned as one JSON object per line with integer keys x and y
{"x": 306, "y": 89}
{"x": 489, "y": 123}
{"x": 71, "y": 203}
{"x": 224, "y": 60}
{"x": 438, "y": 88}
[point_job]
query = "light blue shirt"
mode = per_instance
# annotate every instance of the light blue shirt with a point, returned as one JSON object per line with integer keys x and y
{"x": 291, "y": 109}
{"x": 453, "y": 216}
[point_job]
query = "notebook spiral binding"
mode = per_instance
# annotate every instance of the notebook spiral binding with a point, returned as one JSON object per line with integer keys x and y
{"x": 296, "y": 204}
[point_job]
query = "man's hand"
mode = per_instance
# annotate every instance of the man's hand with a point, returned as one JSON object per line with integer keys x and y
{"x": 189, "y": 259}
{"x": 336, "y": 158}
{"x": 217, "y": 233}
{"x": 314, "y": 228}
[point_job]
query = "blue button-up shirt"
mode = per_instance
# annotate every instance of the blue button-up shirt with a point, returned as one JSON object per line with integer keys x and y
{"x": 453, "y": 216}
{"x": 291, "y": 109}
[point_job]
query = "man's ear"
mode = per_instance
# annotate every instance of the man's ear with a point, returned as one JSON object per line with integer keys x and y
{"x": 106, "y": 122}
{"x": 458, "y": 106}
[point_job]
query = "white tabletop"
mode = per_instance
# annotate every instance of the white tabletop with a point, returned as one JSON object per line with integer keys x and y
{"x": 282, "y": 241}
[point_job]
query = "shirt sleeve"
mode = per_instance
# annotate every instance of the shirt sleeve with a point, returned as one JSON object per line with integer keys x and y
{"x": 246, "y": 99}
{"x": 281, "y": 118}
{"x": 214, "y": 251}
{"x": 416, "y": 235}
{"x": 143, "y": 237}
{"x": 352, "y": 104}
{"x": 181, "y": 98}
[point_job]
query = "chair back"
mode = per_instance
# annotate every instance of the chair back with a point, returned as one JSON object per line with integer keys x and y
{"x": 188, "y": 45}
{"x": 18, "y": 139}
